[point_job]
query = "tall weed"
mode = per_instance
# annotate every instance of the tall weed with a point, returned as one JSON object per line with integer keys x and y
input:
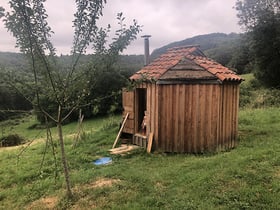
{"x": 254, "y": 95}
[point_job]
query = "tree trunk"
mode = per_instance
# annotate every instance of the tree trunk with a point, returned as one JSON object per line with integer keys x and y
{"x": 63, "y": 155}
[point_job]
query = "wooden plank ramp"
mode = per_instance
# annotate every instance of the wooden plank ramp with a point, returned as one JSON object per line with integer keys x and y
{"x": 123, "y": 149}
{"x": 120, "y": 132}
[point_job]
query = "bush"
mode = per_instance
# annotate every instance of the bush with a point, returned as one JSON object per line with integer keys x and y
{"x": 254, "y": 95}
{"x": 11, "y": 140}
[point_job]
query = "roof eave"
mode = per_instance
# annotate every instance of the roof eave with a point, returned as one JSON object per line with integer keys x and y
{"x": 188, "y": 81}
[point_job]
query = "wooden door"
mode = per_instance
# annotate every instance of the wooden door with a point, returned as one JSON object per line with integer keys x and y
{"x": 128, "y": 101}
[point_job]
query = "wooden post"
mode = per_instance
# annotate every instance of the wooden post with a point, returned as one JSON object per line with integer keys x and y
{"x": 119, "y": 134}
{"x": 150, "y": 142}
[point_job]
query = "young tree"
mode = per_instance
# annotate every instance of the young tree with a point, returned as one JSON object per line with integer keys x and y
{"x": 261, "y": 19}
{"x": 66, "y": 86}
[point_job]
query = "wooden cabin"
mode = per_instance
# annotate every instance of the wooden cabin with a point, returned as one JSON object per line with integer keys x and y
{"x": 186, "y": 100}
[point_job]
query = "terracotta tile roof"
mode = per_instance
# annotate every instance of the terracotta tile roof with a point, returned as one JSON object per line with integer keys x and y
{"x": 185, "y": 63}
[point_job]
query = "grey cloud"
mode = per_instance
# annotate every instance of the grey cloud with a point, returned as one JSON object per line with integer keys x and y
{"x": 166, "y": 20}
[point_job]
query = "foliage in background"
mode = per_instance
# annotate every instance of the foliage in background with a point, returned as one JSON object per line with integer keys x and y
{"x": 261, "y": 20}
{"x": 17, "y": 66}
{"x": 254, "y": 95}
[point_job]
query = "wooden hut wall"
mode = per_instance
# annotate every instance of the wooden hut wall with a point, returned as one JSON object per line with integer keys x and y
{"x": 153, "y": 109}
{"x": 229, "y": 116}
{"x": 189, "y": 118}
{"x": 197, "y": 117}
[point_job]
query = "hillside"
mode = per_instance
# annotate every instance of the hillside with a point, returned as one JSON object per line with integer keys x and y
{"x": 18, "y": 62}
{"x": 206, "y": 42}
{"x": 12, "y": 61}
{"x": 227, "y": 49}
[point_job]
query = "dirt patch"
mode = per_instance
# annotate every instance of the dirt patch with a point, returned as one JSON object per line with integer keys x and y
{"x": 44, "y": 203}
{"x": 99, "y": 183}
{"x": 103, "y": 182}
{"x": 277, "y": 172}
{"x": 85, "y": 200}
{"x": 84, "y": 203}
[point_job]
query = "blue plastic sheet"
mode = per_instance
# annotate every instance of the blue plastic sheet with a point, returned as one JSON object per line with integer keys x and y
{"x": 103, "y": 161}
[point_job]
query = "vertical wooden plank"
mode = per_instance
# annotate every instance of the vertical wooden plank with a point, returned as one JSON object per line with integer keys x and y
{"x": 208, "y": 123}
{"x": 200, "y": 118}
{"x": 169, "y": 117}
{"x": 166, "y": 117}
{"x": 219, "y": 107}
{"x": 128, "y": 105}
{"x": 224, "y": 116}
{"x": 228, "y": 116}
{"x": 237, "y": 110}
{"x": 182, "y": 109}
{"x": 150, "y": 142}
{"x": 172, "y": 105}
{"x": 215, "y": 116}
{"x": 229, "y": 111}
{"x": 221, "y": 117}
{"x": 176, "y": 115}
{"x": 136, "y": 105}
{"x": 157, "y": 115}
{"x": 234, "y": 115}
{"x": 236, "y": 107}
{"x": 162, "y": 117}
{"x": 148, "y": 108}
{"x": 191, "y": 127}
{"x": 188, "y": 116}
{"x": 203, "y": 116}
{"x": 192, "y": 119}
{"x": 195, "y": 115}
{"x": 153, "y": 102}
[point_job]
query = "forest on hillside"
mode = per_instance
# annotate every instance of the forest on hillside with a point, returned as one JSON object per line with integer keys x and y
{"x": 228, "y": 49}
{"x": 106, "y": 94}
{"x": 223, "y": 48}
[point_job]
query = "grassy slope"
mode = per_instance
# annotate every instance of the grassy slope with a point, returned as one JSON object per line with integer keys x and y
{"x": 244, "y": 178}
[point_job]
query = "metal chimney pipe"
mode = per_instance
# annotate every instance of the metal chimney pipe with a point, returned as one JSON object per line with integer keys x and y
{"x": 146, "y": 49}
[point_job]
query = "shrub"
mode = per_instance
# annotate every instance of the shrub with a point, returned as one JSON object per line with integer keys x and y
{"x": 11, "y": 140}
{"x": 254, "y": 95}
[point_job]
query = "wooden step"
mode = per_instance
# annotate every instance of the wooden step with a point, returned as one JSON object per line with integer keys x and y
{"x": 140, "y": 140}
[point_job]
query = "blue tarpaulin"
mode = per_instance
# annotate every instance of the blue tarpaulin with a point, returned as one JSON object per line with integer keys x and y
{"x": 103, "y": 161}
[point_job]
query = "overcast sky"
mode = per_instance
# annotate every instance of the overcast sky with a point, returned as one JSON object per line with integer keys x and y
{"x": 166, "y": 20}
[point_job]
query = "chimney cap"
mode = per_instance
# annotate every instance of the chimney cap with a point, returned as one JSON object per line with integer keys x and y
{"x": 146, "y": 36}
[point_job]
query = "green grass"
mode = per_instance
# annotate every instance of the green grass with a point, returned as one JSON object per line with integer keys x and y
{"x": 246, "y": 177}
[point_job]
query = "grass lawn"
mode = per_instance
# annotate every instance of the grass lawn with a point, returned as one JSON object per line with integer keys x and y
{"x": 246, "y": 177}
